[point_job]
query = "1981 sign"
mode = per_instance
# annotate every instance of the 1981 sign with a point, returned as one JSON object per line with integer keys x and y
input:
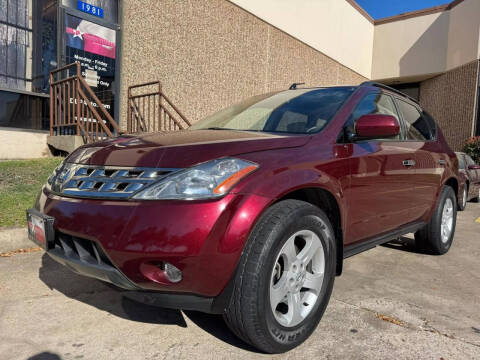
{"x": 90, "y": 9}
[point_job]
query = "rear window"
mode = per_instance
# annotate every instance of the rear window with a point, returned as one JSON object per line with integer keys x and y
{"x": 418, "y": 127}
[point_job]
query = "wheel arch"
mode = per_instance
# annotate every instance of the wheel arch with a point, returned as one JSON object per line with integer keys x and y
{"x": 453, "y": 183}
{"x": 326, "y": 201}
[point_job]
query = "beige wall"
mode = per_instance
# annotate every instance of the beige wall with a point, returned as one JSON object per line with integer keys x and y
{"x": 463, "y": 34}
{"x": 209, "y": 54}
{"x": 333, "y": 27}
{"x": 411, "y": 46}
{"x": 427, "y": 44}
{"x": 22, "y": 144}
{"x": 450, "y": 98}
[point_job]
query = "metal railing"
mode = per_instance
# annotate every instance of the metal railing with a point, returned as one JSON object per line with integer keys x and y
{"x": 75, "y": 109}
{"x": 151, "y": 110}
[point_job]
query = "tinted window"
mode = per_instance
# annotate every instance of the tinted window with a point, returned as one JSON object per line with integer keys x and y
{"x": 24, "y": 111}
{"x": 431, "y": 124}
{"x": 374, "y": 103}
{"x": 295, "y": 111}
{"x": 417, "y": 126}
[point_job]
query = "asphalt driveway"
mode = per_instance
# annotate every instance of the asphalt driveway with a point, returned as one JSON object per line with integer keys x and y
{"x": 390, "y": 303}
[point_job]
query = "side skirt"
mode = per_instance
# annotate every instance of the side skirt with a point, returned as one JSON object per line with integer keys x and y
{"x": 361, "y": 246}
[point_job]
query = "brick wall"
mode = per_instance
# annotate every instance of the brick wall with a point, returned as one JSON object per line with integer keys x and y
{"x": 210, "y": 54}
{"x": 450, "y": 98}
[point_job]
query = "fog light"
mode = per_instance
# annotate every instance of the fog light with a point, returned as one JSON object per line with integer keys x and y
{"x": 172, "y": 273}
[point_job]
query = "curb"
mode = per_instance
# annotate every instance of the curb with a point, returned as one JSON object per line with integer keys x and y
{"x": 14, "y": 238}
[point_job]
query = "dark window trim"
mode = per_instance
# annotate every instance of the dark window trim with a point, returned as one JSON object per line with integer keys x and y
{"x": 420, "y": 110}
{"x": 16, "y": 26}
{"x": 16, "y": 77}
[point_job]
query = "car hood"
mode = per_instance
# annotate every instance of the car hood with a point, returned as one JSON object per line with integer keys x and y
{"x": 180, "y": 149}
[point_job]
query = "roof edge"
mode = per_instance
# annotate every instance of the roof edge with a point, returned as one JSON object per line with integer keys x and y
{"x": 416, "y": 13}
{"x": 361, "y": 10}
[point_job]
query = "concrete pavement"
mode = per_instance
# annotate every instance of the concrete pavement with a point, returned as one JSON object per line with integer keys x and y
{"x": 390, "y": 303}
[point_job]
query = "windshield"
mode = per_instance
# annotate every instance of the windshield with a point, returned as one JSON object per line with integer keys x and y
{"x": 299, "y": 111}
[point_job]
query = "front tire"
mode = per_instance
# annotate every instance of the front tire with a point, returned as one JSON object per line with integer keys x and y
{"x": 285, "y": 277}
{"x": 437, "y": 236}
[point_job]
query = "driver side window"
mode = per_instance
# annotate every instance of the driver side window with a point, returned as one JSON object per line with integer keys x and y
{"x": 373, "y": 103}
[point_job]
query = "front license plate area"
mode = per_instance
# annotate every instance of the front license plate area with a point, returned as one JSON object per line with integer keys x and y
{"x": 40, "y": 228}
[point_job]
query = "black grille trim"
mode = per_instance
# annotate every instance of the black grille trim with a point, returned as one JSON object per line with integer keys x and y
{"x": 81, "y": 249}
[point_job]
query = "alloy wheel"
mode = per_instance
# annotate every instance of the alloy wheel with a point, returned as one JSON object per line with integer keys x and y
{"x": 447, "y": 220}
{"x": 297, "y": 278}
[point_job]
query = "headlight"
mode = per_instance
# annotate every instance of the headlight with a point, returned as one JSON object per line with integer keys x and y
{"x": 56, "y": 171}
{"x": 208, "y": 180}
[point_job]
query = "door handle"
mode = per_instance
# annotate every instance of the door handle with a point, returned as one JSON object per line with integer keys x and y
{"x": 408, "y": 163}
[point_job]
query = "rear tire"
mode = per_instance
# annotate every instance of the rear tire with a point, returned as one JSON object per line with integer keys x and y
{"x": 285, "y": 277}
{"x": 437, "y": 236}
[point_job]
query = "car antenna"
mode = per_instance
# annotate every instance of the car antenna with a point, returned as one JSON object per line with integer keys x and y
{"x": 294, "y": 86}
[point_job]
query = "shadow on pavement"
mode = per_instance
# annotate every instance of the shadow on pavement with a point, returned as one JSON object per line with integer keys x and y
{"x": 116, "y": 301}
{"x": 104, "y": 297}
{"x": 406, "y": 244}
{"x": 45, "y": 356}
{"x": 215, "y": 326}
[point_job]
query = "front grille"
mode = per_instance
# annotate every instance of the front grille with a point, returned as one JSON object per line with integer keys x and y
{"x": 104, "y": 181}
{"x": 80, "y": 249}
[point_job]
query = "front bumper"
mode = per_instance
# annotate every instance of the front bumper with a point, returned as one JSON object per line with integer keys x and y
{"x": 98, "y": 271}
{"x": 204, "y": 239}
{"x": 106, "y": 272}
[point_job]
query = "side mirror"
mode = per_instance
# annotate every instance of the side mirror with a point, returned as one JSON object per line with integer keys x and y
{"x": 373, "y": 126}
{"x": 474, "y": 167}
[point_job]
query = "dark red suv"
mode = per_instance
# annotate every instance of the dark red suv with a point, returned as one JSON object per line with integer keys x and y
{"x": 251, "y": 211}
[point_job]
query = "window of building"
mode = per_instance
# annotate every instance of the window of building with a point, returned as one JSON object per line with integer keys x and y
{"x": 24, "y": 111}
{"x": 417, "y": 126}
{"x": 411, "y": 89}
{"x": 45, "y": 43}
{"x": 15, "y": 44}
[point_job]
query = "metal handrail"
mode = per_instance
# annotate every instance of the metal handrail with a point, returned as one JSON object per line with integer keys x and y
{"x": 151, "y": 111}
{"x": 71, "y": 107}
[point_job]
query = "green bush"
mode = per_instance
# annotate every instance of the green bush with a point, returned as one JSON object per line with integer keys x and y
{"x": 472, "y": 148}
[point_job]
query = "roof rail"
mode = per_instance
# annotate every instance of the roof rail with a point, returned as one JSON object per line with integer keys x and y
{"x": 294, "y": 86}
{"x": 386, "y": 87}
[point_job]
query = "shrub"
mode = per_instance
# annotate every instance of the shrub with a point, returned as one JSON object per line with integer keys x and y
{"x": 472, "y": 148}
